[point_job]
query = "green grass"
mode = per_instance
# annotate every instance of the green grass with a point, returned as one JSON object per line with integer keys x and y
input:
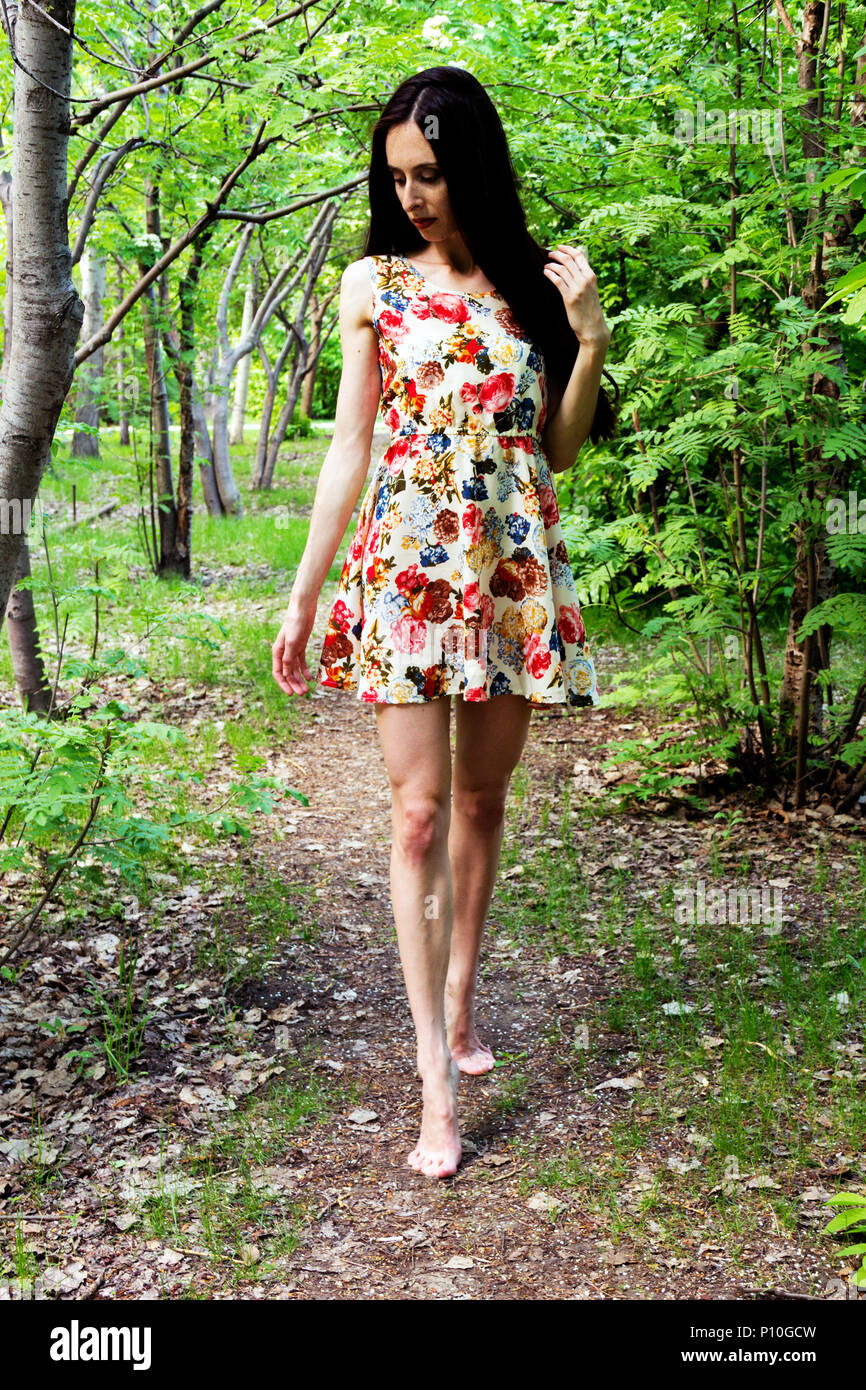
{"x": 174, "y": 624}
{"x": 246, "y": 933}
{"x": 231, "y": 1205}
{"x": 776, "y": 1098}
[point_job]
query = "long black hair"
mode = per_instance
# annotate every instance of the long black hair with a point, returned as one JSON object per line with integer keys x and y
{"x": 472, "y": 152}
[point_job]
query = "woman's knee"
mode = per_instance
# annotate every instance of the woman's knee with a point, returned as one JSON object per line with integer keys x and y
{"x": 484, "y": 807}
{"x": 420, "y": 825}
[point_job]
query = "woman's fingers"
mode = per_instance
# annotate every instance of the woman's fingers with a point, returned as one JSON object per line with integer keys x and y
{"x": 290, "y": 668}
{"x": 287, "y": 663}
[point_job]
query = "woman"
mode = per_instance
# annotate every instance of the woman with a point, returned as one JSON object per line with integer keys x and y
{"x": 457, "y": 582}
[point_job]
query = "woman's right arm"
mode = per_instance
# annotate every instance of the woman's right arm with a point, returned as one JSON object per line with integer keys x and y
{"x": 341, "y": 476}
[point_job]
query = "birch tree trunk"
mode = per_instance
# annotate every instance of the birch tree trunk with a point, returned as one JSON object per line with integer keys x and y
{"x": 161, "y": 457}
{"x": 127, "y": 382}
{"x": 6, "y": 202}
{"x": 48, "y": 312}
{"x": 23, "y": 637}
{"x": 90, "y": 374}
{"x": 242, "y": 381}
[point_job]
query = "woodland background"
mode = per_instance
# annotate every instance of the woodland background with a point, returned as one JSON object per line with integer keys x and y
{"x": 182, "y": 190}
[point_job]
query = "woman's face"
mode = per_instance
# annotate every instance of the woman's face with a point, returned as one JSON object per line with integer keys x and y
{"x": 418, "y": 182}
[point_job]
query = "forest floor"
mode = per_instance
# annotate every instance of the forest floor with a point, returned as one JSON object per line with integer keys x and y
{"x": 671, "y": 1105}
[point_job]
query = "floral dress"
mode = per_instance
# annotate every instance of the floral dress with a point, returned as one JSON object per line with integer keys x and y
{"x": 457, "y": 580}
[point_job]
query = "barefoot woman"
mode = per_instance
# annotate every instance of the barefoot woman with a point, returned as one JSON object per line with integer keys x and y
{"x": 457, "y": 583}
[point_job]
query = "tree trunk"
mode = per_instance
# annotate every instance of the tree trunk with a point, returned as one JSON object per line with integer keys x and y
{"x": 242, "y": 381}
{"x": 48, "y": 311}
{"x": 127, "y": 381}
{"x": 800, "y": 697}
{"x": 90, "y": 374}
{"x": 23, "y": 637}
{"x": 204, "y": 451}
{"x": 6, "y": 201}
{"x": 317, "y": 314}
{"x": 161, "y": 453}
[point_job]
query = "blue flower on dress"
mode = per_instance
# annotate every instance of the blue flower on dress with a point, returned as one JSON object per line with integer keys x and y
{"x": 509, "y": 652}
{"x": 382, "y": 501}
{"x": 493, "y": 525}
{"x": 525, "y": 414}
{"x": 505, "y": 483}
{"x": 395, "y": 299}
{"x": 433, "y": 555}
{"x": 358, "y": 628}
{"x": 517, "y": 526}
{"x": 423, "y": 512}
{"x": 500, "y": 685}
{"x": 392, "y": 606}
{"x": 555, "y": 643}
{"x": 439, "y": 442}
{"x": 535, "y": 360}
{"x": 475, "y": 489}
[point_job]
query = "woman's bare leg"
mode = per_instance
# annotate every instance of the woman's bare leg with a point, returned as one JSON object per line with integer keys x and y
{"x": 415, "y": 741}
{"x": 490, "y": 737}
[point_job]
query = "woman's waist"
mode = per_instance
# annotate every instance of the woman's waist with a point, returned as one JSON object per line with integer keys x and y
{"x": 411, "y": 428}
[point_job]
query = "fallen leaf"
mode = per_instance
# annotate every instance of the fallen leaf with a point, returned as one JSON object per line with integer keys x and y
{"x": 542, "y": 1201}
{"x": 620, "y": 1083}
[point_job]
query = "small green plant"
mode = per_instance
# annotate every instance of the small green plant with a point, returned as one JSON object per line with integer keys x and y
{"x": 122, "y": 1019}
{"x": 26, "y": 1266}
{"x": 854, "y": 1222}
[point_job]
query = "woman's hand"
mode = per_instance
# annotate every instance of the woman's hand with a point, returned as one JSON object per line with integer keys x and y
{"x": 575, "y": 279}
{"x": 291, "y": 672}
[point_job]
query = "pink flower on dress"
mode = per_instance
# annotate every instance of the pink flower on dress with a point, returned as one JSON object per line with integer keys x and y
{"x": 471, "y": 596}
{"x": 395, "y": 454}
{"x": 537, "y": 655}
{"x": 469, "y": 391}
{"x": 373, "y": 540}
{"x": 549, "y": 507}
{"x": 485, "y": 611}
{"x": 410, "y": 578}
{"x": 473, "y": 519}
{"x": 570, "y": 624}
{"x": 409, "y": 634}
{"x": 392, "y": 322}
{"x": 474, "y": 692}
{"x": 448, "y": 307}
{"x": 496, "y": 391}
{"x": 341, "y": 618}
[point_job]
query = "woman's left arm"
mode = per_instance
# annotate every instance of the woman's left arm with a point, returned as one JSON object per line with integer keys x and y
{"x": 570, "y": 418}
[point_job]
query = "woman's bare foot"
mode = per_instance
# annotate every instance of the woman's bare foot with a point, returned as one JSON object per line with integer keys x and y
{"x": 472, "y": 1056}
{"x": 469, "y": 1052}
{"x": 438, "y": 1151}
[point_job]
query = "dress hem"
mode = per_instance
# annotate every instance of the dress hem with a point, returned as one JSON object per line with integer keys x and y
{"x": 349, "y": 686}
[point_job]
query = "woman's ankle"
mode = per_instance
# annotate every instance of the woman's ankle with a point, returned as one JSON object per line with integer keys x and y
{"x": 434, "y": 1061}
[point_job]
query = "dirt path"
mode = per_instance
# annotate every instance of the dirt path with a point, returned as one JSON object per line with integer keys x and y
{"x": 185, "y": 1181}
{"x": 491, "y": 1231}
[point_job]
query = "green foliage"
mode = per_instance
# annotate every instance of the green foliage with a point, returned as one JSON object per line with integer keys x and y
{"x": 89, "y": 798}
{"x": 122, "y": 1015}
{"x": 853, "y": 1222}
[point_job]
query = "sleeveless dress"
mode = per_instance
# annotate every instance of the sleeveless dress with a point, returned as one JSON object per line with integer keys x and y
{"x": 457, "y": 580}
